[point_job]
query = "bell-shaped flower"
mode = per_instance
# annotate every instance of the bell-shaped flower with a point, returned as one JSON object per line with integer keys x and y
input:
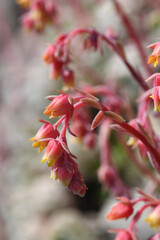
{"x": 46, "y": 131}
{"x": 155, "y": 56}
{"x": 59, "y": 106}
{"x": 53, "y": 152}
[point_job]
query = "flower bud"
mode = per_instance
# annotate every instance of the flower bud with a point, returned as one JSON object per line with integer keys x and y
{"x": 59, "y": 106}
{"x": 120, "y": 210}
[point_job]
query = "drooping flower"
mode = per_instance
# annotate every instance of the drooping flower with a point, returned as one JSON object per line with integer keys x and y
{"x": 154, "y": 218}
{"x": 40, "y": 13}
{"x": 46, "y": 131}
{"x": 66, "y": 170}
{"x": 155, "y": 56}
{"x": 59, "y": 106}
{"x": 122, "y": 209}
{"x": 53, "y": 152}
{"x": 63, "y": 170}
{"x": 156, "y": 92}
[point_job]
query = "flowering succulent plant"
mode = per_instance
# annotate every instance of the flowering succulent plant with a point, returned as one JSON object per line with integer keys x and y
{"x": 112, "y": 112}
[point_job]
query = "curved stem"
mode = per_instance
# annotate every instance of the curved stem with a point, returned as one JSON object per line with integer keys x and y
{"x": 141, "y": 166}
{"x": 113, "y": 46}
{"x": 132, "y": 32}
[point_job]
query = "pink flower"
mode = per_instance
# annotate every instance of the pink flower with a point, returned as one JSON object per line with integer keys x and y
{"x": 63, "y": 170}
{"x": 59, "y": 106}
{"x": 46, "y": 131}
{"x": 155, "y": 56}
{"x": 156, "y": 94}
{"x": 53, "y": 152}
{"x": 122, "y": 209}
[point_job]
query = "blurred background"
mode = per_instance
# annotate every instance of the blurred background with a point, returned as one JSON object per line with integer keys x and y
{"x": 33, "y": 206}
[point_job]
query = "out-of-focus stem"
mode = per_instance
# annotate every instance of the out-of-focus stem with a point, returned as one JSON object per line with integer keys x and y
{"x": 113, "y": 46}
{"x": 133, "y": 157}
{"x": 132, "y": 32}
{"x": 138, "y": 215}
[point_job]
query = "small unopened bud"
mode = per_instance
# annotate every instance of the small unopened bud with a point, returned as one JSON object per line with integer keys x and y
{"x": 92, "y": 103}
{"x": 114, "y": 116}
{"x": 121, "y": 210}
{"x": 97, "y": 120}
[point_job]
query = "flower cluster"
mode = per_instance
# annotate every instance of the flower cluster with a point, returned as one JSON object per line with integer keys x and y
{"x": 155, "y": 58}
{"x": 39, "y": 13}
{"x": 57, "y": 154}
{"x": 124, "y": 209}
{"x": 71, "y": 109}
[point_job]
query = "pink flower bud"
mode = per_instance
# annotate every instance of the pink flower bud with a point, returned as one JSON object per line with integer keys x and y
{"x": 120, "y": 210}
{"x": 53, "y": 152}
{"x": 46, "y": 131}
{"x": 59, "y": 106}
{"x": 123, "y": 235}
